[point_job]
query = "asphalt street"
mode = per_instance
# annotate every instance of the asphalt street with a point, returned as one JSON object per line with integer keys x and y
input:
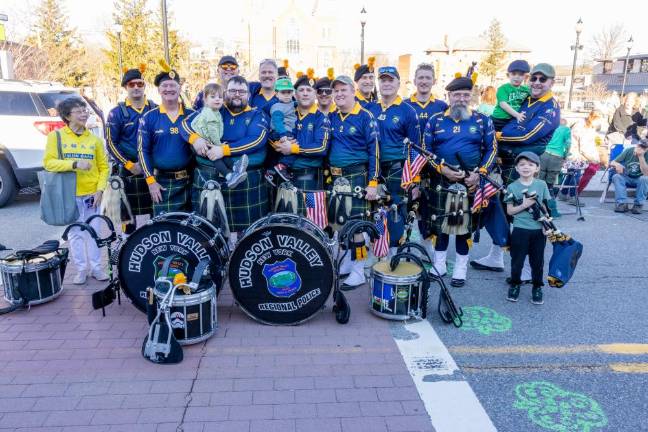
{"x": 565, "y": 365}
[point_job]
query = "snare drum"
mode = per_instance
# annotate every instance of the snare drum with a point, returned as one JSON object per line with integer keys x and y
{"x": 188, "y": 236}
{"x": 397, "y": 294}
{"x": 36, "y": 280}
{"x": 193, "y": 316}
{"x": 281, "y": 271}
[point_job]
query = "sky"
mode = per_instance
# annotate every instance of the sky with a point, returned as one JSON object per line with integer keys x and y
{"x": 546, "y": 27}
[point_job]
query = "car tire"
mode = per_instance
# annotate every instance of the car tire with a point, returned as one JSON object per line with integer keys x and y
{"x": 8, "y": 185}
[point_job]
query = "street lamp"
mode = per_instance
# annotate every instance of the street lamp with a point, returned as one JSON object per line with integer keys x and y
{"x": 575, "y": 47}
{"x": 363, "y": 21}
{"x": 118, "y": 28}
{"x": 165, "y": 32}
{"x": 625, "y": 65}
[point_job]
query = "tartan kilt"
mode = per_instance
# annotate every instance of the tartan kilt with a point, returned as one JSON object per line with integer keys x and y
{"x": 175, "y": 197}
{"x": 137, "y": 194}
{"x": 393, "y": 179}
{"x": 316, "y": 184}
{"x": 358, "y": 205}
{"x": 436, "y": 205}
{"x": 246, "y": 203}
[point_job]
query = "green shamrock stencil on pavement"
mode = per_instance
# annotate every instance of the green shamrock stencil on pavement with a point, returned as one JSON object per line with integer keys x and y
{"x": 555, "y": 409}
{"x": 484, "y": 320}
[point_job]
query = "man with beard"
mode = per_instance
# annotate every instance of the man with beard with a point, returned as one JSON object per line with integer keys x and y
{"x": 262, "y": 93}
{"x": 365, "y": 80}
{"x": 422, "y": 101}
{"x": 164, "y": 155}
{"x": 541, "y": 119}
{"x": 325, "y": 92}
{"x": 471, "y": 134}
{"x": 121, "y": 139}
{"x": 397, "y": 122}
{"x": 306, "y": 151}
{"x": 228, "y": 67}
{"x": 354, "y": 155}
{"x": 245, "y": 132}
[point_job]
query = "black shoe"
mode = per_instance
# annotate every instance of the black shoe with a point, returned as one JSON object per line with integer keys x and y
{"x": 346, "y": 287}
{"x": 637, "y": 209}
{"x": 282, "y": 171}
{"x": 458, "y": 283}
{"x": 478, "y": 266}
{"x": 536, "y": 296}
{"x": 513, "y": 293}
{"x": 620, "y": 208}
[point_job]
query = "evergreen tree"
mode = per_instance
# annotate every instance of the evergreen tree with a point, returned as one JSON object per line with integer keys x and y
{"x": 493, "y": 62}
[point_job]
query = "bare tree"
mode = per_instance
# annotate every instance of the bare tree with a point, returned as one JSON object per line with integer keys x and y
{"x": 608, "y": 43}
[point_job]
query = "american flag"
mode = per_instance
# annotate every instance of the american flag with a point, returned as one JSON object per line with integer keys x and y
{"x": 484, "y": 192}
{"x": 316, "y": 208}
{"x": 414, "y": 163}
{"x": 381, "y": 246}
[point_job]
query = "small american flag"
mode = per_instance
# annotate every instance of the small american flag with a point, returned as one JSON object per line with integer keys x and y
{"x": 316, "y": 208}
{"x": 381, "y": 246}
{"x": 414, "y": 163}
{"x": 484, "y": 192}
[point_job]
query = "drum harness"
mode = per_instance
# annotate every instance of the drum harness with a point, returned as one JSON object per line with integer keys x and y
{"x": 48, "y": 246}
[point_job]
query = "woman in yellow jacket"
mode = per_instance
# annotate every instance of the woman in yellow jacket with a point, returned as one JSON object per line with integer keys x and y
{"x": 83, "y": 153}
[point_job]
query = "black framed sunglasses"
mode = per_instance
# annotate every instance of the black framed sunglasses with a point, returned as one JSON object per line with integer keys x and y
{"x": 325, "y": 91}
{"x": 542, "y": 79}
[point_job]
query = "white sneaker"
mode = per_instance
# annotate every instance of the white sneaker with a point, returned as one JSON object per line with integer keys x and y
{"x": 494, "y": 261}
{"x": 440, "y": 263}
{"x": 99, "y": 274}
{"x": 80, "y": 278}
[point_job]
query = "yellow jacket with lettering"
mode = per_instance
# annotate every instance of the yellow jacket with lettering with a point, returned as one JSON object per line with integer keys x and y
{"x": 75, "y": 148}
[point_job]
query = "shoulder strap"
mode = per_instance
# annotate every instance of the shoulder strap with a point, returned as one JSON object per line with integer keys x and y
{"x": 124, "y": 110}
{"x": 58, "y": 145}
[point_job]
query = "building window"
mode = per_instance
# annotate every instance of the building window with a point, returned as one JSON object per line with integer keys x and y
{"x": 292, "y": 46}
{"x": 607, "y": 67}
{"x": 644, "y": 66}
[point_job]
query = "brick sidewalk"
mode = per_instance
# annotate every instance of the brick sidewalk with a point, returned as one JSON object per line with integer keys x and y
{"x": 66, "y": 368}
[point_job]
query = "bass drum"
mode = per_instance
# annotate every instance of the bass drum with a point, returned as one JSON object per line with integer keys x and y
{"x": 281, "y": 272}
{"x": 192, "y": 238}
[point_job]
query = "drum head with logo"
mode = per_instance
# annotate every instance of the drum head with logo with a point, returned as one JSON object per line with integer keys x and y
{"x": 280, "y": 274}
{"x": 143, "y": 253}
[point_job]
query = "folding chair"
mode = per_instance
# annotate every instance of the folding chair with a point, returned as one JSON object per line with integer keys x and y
{"x": 575, "y": 172}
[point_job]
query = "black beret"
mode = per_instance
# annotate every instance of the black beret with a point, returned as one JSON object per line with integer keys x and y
{"x": 323, "y": 83}
{"x": 165, "y": 76}
{"x": 131, "y": 74}
{"x": 363, "y": 69}
{"x": 461, "y": 83}
{"x": 304, "y": 80}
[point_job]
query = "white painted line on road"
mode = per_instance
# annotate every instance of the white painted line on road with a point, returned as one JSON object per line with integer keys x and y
{"x": 451, "y": 404}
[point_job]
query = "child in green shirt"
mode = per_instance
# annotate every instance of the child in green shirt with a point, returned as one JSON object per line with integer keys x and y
{"x": 528, "y": 237}
{"x": 511, "y": 95}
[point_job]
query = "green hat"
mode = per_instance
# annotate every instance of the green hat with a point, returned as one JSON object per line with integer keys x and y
{"x": 283, "y": 83}
{"x": 545, "y": 69}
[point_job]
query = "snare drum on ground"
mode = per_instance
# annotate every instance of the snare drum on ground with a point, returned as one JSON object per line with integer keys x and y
{"x": 397, "y": 294}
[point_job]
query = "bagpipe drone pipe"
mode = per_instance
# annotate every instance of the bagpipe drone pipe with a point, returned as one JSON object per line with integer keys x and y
{"x": 566, "y": 250}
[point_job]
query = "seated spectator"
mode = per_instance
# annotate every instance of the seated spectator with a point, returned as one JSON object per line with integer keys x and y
{"x": 631, "y": 168}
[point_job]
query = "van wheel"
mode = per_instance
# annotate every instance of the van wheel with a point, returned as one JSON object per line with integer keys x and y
{"x": 8, "y": 186}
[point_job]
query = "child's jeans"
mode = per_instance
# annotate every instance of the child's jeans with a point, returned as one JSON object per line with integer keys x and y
{"x": 532, "y": 243}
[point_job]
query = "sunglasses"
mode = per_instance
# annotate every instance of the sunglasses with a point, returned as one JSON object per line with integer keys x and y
{"x": 228, "y": 67}
{"x": 133, "y": 84}
{"x": 542, "y": 79}
{"x": 325, "y": 91}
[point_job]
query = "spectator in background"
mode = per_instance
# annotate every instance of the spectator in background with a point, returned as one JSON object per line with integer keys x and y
{"x": 83, "y": 153}
{"x": 552, "y": 160}
{"x": 488, "y": 101}
{"x": 627, "y": 118}
{"x": 228, "y": 67}
{"x": 586, "y": 142}
{"x": 631, "y": 168}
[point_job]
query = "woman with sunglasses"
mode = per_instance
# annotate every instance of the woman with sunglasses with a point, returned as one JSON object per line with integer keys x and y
{"x": 121, "y": 139}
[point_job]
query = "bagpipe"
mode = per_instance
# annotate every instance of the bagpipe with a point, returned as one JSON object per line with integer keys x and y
{"x": 566, "y": 250}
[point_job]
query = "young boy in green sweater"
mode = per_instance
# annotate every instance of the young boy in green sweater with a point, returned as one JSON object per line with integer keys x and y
{"x": 511, "y": 95}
